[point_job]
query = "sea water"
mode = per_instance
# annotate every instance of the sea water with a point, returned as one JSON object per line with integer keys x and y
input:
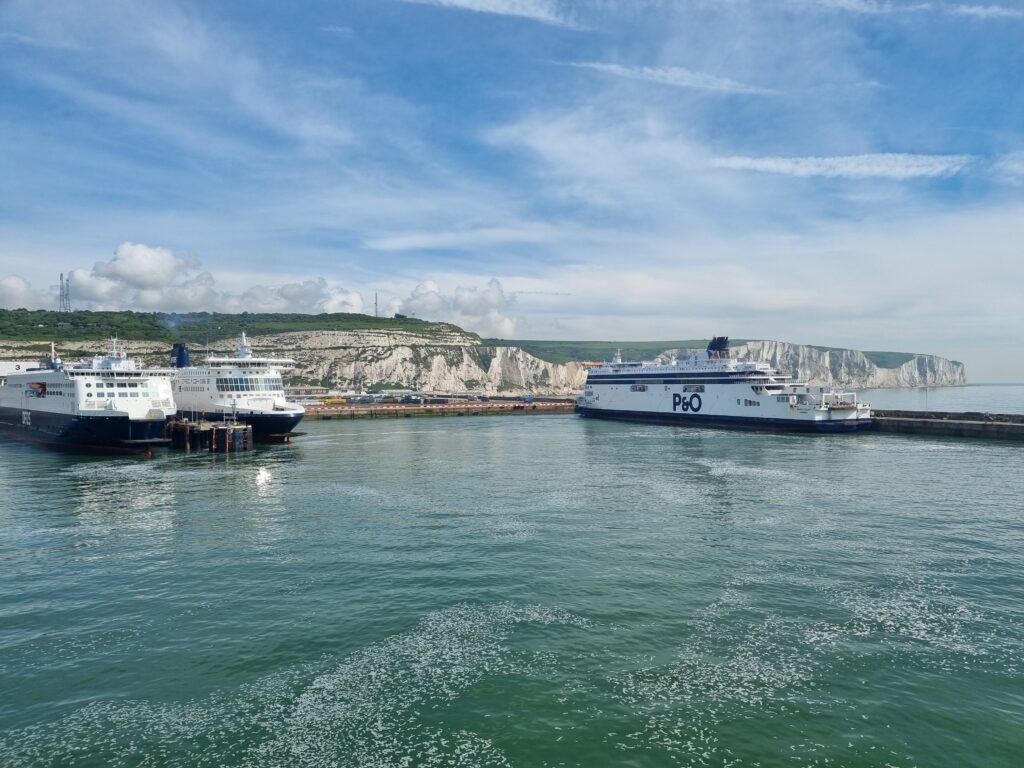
{"x": 522, "y": 591}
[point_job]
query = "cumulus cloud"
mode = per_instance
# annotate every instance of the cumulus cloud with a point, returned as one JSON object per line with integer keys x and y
{"x": 877, "y": 166}
{"x": 308, "y": 296}
{"x": 154, "y": 279}
{"x": 484, "y": 310}
{"x": 676, "y": 76}
{"x": 17, "y": 293}
{"x": 142, "y": 266}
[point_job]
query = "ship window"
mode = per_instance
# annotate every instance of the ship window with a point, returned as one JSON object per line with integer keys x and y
{"x": 122, "y": 394}
{"x": 89, "y": 394}
{"x": 88, "y": 385}
{"x": 98, "y": 394}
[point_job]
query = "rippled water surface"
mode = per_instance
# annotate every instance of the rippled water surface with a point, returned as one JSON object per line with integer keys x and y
{"x": 521, "y": 591}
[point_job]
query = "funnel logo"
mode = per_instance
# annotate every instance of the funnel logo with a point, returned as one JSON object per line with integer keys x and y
{"x": 684, "y": 404}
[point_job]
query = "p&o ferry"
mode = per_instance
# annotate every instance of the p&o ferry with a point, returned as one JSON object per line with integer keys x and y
{"x": 717, "y": 391}
{"x": 109, "y": 402}
{"x": 242, "y": 387}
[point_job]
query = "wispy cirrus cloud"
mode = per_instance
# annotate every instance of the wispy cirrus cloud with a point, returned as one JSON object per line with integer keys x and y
{"x": 875, "y": 166}
{"x": 1011, "y": 167}
{"x": 544, "y": 11}
{"x": 988, "y": 11}
{"x": 856, "y": 6}
{"x": 678, "y": 77}
{"x": 875, "y": 7}
{"x": 466, "y": 238}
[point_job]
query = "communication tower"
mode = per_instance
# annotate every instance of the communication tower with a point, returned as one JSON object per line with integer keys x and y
{"x": 65, "y": 294}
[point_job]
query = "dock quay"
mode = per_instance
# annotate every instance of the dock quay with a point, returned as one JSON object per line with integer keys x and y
{"x": 210, "y": 436}
{"x": 455, "y": 408}
{"x": 990, "y": 426}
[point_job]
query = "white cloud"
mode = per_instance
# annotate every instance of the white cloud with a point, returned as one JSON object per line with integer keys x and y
{"x": 875, "y": 7}
{"x": 155, "y": 279}
{"x": 988, "y": 11}
{"x": 1011, "y": 167}
{"x": 142, "y": 266}
{"x": 98, "y": 291}
{"x": 544, "y": 11}
{"x": 856, "y": 6}
{"x": 877, "y": 166}
{"x": 311, "y": 296}
{"x": 174, "y": 51}
{"x": 676, "y": 76}
{"x": 484, "y": 310}
{"x": 465, "y": 238}
{"x": 187, "y": 294}
{"x": 17, "y": 293}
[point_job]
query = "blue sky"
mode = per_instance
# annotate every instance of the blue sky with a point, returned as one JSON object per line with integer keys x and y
{"x": 840, "y": 172}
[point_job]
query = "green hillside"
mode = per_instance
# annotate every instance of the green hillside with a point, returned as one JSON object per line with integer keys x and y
{"x": 193, "y": 327}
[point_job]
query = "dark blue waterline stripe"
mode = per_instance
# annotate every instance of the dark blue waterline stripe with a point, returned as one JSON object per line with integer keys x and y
{"x": 726, "y": 422}
{"x": 79, "y": 429}
{"x": 606, "y": 382}
{"x": 263, "y": 424}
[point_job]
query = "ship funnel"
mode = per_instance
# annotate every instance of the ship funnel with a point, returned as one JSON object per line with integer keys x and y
{"x": 180, "y": 356}
{"x": 718, "y": 347}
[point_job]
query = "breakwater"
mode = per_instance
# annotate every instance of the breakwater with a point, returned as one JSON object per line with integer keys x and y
{"x": 992, "y": 426}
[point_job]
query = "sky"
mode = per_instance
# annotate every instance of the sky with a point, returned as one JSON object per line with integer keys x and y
{"x": 835, "y": 172}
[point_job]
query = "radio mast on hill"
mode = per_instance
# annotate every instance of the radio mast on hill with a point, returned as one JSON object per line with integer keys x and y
{"x": 65, "y": 294}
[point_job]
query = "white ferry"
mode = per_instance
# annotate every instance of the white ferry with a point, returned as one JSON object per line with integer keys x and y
{"x": 109, "y": 402}
{"x": 717, "y": 391}
{"x": 242, "y": 387}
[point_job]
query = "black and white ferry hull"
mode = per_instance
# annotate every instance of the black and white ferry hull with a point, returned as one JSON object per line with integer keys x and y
{"x": 821, "y": 426}
{"x": 117, "y": 433}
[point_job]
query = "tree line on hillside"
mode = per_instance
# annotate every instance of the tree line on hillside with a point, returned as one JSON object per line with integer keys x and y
{"x": 191, "y": 327}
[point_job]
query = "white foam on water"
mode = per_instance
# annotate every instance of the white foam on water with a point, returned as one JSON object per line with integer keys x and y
{"x": 372, "y": 708}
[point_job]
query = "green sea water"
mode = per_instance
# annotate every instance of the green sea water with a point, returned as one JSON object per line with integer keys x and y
{"x": 523, "y": 591}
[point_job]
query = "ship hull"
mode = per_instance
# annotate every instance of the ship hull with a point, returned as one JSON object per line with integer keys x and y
{"x": 266, "y": 427}
{"x": 103, "y": 433}
{"x": 728, "y": 422}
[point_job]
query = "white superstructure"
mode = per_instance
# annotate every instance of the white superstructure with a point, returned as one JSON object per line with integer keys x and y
{"x": 242, "y": 387}
{"x": 108, "y": 401}
{"x": 717, "y": 391}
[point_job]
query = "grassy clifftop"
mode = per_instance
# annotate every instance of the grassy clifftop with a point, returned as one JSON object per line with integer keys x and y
{"x": 192, "y": 327}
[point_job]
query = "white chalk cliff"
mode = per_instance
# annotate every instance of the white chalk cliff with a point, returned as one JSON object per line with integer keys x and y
{"x": 452, "y": 361}
{"x": 847, "y": 367}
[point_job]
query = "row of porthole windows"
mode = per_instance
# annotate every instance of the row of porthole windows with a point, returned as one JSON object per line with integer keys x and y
{"x": 119, "y": 394}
